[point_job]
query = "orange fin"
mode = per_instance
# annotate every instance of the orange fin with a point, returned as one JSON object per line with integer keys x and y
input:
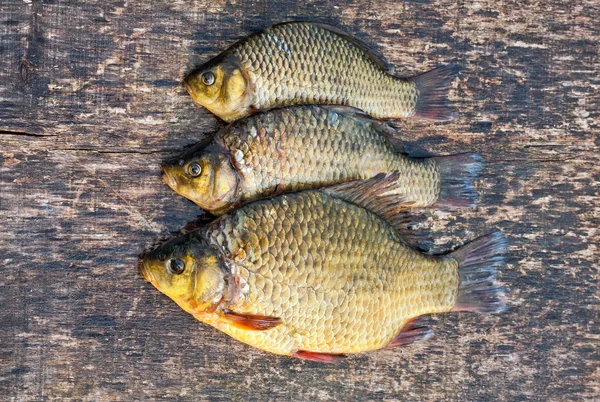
{"x": 251, "y": 322}
{"x": 417, "y": 329}
{"x": 319, "y": 357}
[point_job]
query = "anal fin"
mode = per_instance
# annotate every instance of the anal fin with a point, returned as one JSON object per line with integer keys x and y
{"x": 251, "y": 322}
{"x": 417, "y": 329}
{"x": 319, "y": 357}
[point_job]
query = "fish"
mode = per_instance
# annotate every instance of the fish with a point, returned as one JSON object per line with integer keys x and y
{"x": 312, "y": 63}
{"x": 316, "y": 275}
{"x": 306, "y": 147}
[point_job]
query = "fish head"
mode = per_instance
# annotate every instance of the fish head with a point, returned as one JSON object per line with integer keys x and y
{"x": 187, "y": 270}
{"x": 222, "y": 86}
{"x": 206, "y": 176}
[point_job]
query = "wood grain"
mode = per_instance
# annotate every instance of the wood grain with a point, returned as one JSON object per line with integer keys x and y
{"x": 91, "y": 102}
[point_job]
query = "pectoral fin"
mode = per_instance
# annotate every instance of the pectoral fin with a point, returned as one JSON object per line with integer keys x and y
{"x": 319, "y": 357}
{"x": 251, "y": 322}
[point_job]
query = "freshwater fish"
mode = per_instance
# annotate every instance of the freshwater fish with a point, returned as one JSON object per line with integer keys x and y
{"x": 307, "y": 147}
{"x": 313, "y": 276}
{"x": 310, "y": 63}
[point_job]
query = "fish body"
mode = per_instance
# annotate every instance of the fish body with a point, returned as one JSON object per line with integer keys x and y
{"x": 307, "y": 147}
{"x": 309, "y": 63}
{"x": 311, "y": 275}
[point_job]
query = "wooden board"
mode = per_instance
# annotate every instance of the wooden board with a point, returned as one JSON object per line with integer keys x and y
{"x": 91, "y": 102}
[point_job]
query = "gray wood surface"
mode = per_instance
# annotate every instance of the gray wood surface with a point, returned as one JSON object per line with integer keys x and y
{"x": 91, "y": 102}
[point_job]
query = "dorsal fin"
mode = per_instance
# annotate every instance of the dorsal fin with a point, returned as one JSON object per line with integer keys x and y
{"x": 370, "y": 54}
{"x": 376, "y": 195}
{"x": 389, "y": 132}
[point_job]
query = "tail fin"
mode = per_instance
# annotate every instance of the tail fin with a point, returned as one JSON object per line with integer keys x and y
{"x": 433, "y": 85}
{"x": 457, "y": 173}
{"x": 477, "y": 291}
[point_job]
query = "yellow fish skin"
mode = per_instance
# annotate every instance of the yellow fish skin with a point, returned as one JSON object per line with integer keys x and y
{"x": 306, "y": 147}
{"x": 312, "y": 276}
{"x": 310, "y": 63}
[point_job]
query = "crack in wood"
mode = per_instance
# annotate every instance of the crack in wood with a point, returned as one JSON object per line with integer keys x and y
{"x": 527, "y": 160}
{"x": 26, "y": 134}
{"x": 110, "y": 151}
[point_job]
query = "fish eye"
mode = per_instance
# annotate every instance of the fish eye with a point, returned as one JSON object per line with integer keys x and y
{"x": 175, "y": 266}
{"x": 208, "y": 78}
{"x": 194, "y": 169}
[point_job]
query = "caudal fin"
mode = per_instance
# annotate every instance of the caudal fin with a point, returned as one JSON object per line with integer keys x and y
{"x": 457, "y": 173}
{"x": 478, "y": 291}
{"x": 433, "y": 85}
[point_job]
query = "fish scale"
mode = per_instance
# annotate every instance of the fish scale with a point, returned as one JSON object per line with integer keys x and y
{"x": 314, "y": 146}
{"x": 348, "y": 289}
{"x": 340, "y": 149}
{"x": 310, "y": 63}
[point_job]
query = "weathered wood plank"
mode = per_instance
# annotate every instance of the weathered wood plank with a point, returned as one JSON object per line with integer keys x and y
{"x": 90, "y": 103}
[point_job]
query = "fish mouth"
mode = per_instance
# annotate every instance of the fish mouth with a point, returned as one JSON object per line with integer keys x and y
{"x": 169, "y": 179}
{"x": 146, "y": 273}
{"x": 187, "y": 86}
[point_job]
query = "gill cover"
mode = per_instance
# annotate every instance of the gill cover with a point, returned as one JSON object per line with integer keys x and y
{"x": 199, "y": 286}
{"x": 228, "y": 91}
{"x": 215, "y": 188}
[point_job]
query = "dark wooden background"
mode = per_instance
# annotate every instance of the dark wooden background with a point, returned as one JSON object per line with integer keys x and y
{"x": 91, "y": 102}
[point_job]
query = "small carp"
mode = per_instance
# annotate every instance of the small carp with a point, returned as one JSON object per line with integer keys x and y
{"x": 313, "y": 276}
{"x": 309, "y": 63}
{"x": 307, "y": 147}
